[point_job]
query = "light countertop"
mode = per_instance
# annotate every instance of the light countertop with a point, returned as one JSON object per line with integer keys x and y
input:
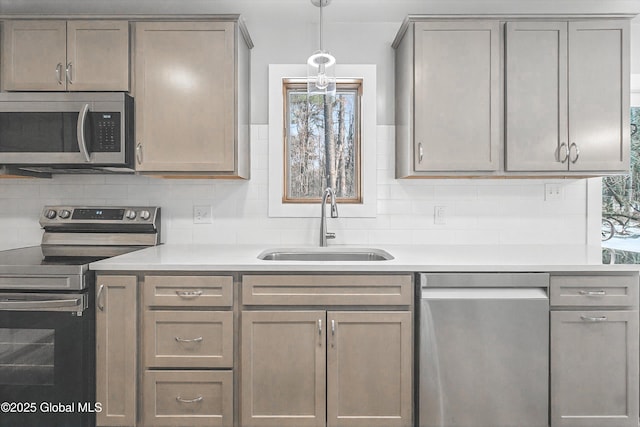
{"x": 428, "y": 258}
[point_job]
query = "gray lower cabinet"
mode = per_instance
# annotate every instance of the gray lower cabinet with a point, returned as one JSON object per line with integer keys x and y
{"x": 187, "y": 350}
{"x": 594, "y": 351}
{"x": 345, "y": 368}
{"x": 283, "y": 365}
{"x": 116, "y": 350}
{"x": 325, "y": 349}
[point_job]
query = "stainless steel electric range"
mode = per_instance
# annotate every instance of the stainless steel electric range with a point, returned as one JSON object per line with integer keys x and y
{"x": 47, "y": 317}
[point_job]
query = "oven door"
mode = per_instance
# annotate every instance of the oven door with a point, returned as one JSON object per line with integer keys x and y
{"x": 47, "y": 358}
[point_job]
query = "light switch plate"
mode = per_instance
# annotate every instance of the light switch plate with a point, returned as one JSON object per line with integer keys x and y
{"x": 202, "y": 214}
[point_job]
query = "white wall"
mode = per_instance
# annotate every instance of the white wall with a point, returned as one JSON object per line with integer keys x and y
{"x": 285, "y": 31}
{"x": 479, "y": 211}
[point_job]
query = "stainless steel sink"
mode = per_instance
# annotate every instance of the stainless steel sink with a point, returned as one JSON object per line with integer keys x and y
{"x": 325, "y": 254}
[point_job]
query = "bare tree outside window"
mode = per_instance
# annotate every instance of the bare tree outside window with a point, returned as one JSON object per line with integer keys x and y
{"x": 322, "y": 147}
{"x": 621, "y": 193}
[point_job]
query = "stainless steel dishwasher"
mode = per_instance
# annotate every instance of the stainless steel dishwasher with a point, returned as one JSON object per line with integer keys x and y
{"x": 483, "y": 350}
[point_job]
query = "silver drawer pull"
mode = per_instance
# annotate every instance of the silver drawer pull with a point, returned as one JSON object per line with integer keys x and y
{"x": 594, "y": 319}
{"x": 199, "y": 339}
{"x": 196, "y": 400}
{"x": 189, "y": 294}
{"x": 593, "y": 293}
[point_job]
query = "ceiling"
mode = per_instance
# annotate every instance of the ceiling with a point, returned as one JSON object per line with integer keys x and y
{"x": 338, "y": 10}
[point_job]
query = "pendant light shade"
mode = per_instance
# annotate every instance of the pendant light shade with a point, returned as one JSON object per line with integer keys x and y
{"x": 321, "y": 74}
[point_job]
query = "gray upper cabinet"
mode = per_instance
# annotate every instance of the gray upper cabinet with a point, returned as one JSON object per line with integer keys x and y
{"x": 447, "y": 97}
{"x": 567, "y": 96}
{"x": 51, "y": 55}
{"x": 192, "y": 99}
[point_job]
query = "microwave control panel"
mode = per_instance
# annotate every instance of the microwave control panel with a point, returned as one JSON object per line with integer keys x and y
{"x": 106, "y": 132}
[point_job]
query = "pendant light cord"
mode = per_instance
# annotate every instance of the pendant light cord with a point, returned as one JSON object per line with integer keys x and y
{"x": 321, "y": 34}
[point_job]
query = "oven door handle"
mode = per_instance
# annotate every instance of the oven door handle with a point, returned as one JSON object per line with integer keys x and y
{"x": 7, "y": 304}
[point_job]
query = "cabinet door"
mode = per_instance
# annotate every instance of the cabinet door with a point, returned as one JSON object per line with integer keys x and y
{"x": 599, "y": 95}
{"x": 97, "y": 55}
{"x": 34, "y": 55}
{"x": 185, "y": 96}
{"x": 594, "y": 368}
{"x": 283, "y": 367}
{"x": 116, "y": 350}
{"x": 457, "y": 89}
{"x": 369, "y": 356}
{"x": 536, "y": 96}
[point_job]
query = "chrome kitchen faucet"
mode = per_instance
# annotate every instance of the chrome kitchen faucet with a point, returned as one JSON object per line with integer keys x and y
{"x": 324, "y": 235}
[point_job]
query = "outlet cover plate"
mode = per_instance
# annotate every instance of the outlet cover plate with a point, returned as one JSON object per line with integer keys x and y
{"x": 202, "y": 214}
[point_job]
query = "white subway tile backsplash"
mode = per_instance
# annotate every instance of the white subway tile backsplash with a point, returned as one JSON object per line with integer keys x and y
{"x": 494, "y": 211}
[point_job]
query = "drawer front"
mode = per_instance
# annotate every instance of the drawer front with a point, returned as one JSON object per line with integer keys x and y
{"x": 594, "y": 291}
{"x": 193, "y": 398}
{"x": 327, "y": 289}
{"x": 188, "y": 291}
{"x": 188, "y": 339}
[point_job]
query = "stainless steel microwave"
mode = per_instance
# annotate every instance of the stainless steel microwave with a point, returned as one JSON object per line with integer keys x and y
{"x": 82, "y": 130}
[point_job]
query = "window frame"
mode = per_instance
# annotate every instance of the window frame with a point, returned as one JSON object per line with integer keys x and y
{"x": 370, "y": 138}
{"x": 341, "y": 83}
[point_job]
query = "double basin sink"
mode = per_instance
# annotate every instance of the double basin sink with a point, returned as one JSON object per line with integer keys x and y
{"x": 325, "y": 254}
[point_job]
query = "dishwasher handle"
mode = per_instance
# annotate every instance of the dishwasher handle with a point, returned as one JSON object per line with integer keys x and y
{"x": 484, "y": 293}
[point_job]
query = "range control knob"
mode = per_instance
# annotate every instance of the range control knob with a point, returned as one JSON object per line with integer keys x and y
{"x": 145, "y": 215}
{"x": 64, "y": 214}
{"x": 130, "y": 214}
{"x": 50, "y": 213}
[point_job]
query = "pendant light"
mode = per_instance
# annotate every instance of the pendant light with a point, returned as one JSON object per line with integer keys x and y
{"x": 321, "y": 66}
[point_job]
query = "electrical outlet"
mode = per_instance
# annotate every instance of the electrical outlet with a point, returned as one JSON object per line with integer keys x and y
{"x": 440, "y": 215}
{"x": 553, "y": 192}
{"x": 202, "y": 214}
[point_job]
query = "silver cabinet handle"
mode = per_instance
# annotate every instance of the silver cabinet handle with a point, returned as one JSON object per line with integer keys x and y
{"x": 566, "y": 153}
{"x": 10, "y": 304}
{"x": 70, "y": 73}
{"x": 189, "y": 294}
{"x": 139, "y": 153}
{"x": 320, "y": 327}
{"x": 593, "y": 319}
{"x": 82, "y": 143}
{"x": 99, "y": 298}
{"x": 333, "y": 333}
{"x": 196, "y": 400}
{"x": 199, "y": 339}
{"x": 59, "y": 73}
{"x": 574, "y": 145}
{"x": 593, "y": 293}
{"x": 420, "y": 152}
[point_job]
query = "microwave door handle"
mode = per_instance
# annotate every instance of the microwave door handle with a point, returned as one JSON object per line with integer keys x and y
{"x": 82, "y": 143}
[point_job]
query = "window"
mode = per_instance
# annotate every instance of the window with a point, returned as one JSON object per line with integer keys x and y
{"x": 360, "y": 78}
{"x": 322, "y": 147}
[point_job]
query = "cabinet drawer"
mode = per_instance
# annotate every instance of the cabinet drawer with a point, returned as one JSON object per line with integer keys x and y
{"x": 327, "y": 289}
{"x": 194, "y": 398}
{"x": 188, "y": 291}
{"x": 188, "y": 339}
{"x": 591, "y": 291}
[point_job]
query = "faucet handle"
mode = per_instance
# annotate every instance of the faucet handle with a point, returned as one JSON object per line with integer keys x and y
{"x": 330, "y": 235}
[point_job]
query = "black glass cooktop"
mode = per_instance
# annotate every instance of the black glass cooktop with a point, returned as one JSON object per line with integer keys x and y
{"x": 34, "y": 255}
